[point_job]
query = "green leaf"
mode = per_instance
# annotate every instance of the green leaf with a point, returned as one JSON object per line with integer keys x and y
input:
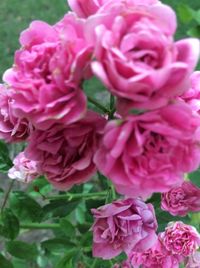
{"x": 185, "y": 13}
{"x": 86, "y": 239}
{"x": 25, "y": 207}
{"x": 80, "y": 213}
{"x": 56, "y": 245}
{"x": 66, "y": 261}
{"x": 39, "y": 186}
{"x": 5, "y": 161}
{"x": 195, "y": 177}
{"x": 4, "y": 263}
{"x": 59, "y": 208}
{"x": 164, "y": 218}
{"x": 194, "y": 32}
{"x": 67, "y": 228}
{"x": 19, "y": 263}
{"x": 9, "y": 227}
{"x": 22, "y": 250}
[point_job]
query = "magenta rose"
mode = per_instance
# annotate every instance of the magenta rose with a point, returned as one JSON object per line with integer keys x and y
{"x": 85, "y": 8}
{"x": 136, "y": 56}
{"x": 192, "y": 96}
{"x": 48, "y": 71}
{"x": 12, "y": 128}
{"x": 181, "y": 200}
{"x": 150, "y": 152}
{"x": 180, "y": 239}
{"x": 122, "y": 226}
{"x": 24, "y": 169}
{"x": 65, "y": 153}
{"x": 155, "y": 257}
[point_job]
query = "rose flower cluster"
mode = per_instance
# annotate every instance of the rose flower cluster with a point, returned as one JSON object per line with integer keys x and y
{"x": 153, "y": 140}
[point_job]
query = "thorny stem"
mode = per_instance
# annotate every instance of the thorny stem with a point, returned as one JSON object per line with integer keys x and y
{"x": 40, "y": 226}
{"x": 7, "y": 195}
{"x": 71, "y": 196}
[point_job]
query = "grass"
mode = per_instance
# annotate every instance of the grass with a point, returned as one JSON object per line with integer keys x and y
{"x": 16, "y": 15}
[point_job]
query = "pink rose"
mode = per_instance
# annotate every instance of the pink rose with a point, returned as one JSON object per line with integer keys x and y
{"x": 85, "y": 8}
{"x": 24, "y": 169}
{"x": 150, "y": 152}
{"x": 48, "y": 72}
{"x": 193, "y": 261}
{"x": 182, "y": 200}
{"x": 136, "y": 56}
{"x": 192, "y": 96}
{"x": 65, "y": 153}
{"x": 12, "y": 129}
{"x": 122, "y": 226}
{"x": 180, "y": 239}
{"x": 155, "y": 257}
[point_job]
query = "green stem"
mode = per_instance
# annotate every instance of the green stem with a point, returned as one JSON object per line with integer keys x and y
{"x": 40, "y": 226}
{"x": 70, "y": 196}
{"x": 97, "y": 104}
{"x": 94, "y": 263}
{"x": 7, "y": 195}
{"x": 112, "y": 107}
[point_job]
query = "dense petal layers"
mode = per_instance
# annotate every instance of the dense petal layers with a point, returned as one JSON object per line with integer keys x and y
{"x": 181, "y": 200}
{"x": 180, "y": 239}
{"x": 155, "y": 257}
{"x": 136, "y": 57}
{"x": 65, "y": 153}
{"x": 150, "y": 152}
{"x": 12, "y": 128}
{"x": 48, "y": 72}
{"x": 122, "y": 226}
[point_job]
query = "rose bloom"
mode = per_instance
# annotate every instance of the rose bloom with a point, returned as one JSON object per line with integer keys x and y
{"x": 155, "y": 257}
{"x": 84, "y": 10}
{"x": 48, "y": 71}
{"x": 122, "y": 226}
{"x": 192, "y": 96}
{"x": 181, "y": 200}
{"x": 180, "y": 239}
{"x": 65, "y": 153}
{"x": 193, "y": 261}
{"x": 136, "y": 56}
{"x": 24, "y": 169}
{"x": 150, "y": 152}
{"x": 12, "y": 128}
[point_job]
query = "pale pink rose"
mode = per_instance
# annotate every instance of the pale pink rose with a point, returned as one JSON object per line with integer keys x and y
{"x": 192, "y": 96}
{"x": 24, "y": 169}
{"x": 48, "y": 72}
{"x": 122, "y": 226}
{"x": 150, "y": 152}
{"x": 85, "y": 8}
{"x": 65, "y": 153}
{"x": 136, "y": 56}
{"x": 193, "y": 261}
{"x": 12, "y": 128}
{"x": 182, "y": 200}
{"x": 155, "y": 257}
{"x": 180, "y": 239}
